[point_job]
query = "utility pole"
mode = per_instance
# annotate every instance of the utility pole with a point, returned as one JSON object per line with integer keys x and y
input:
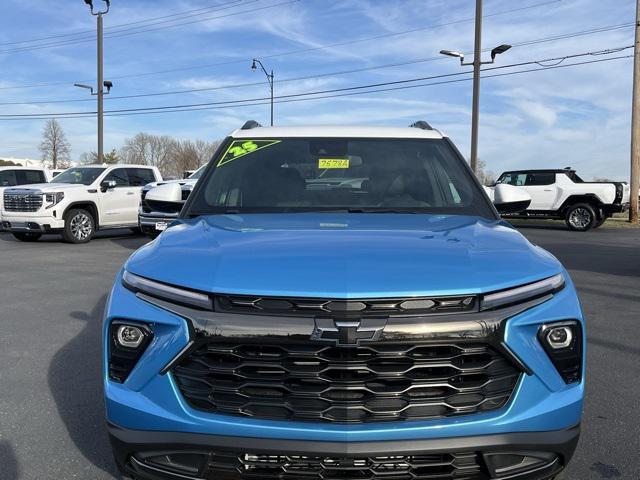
{"x": 477, "y": 64}
{"x": 100, "y": 58}
{"x": 635, "y": 126}
{"x": 101, "y": 83}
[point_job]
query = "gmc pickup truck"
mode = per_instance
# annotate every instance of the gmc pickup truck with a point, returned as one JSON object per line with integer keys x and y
{"x": 77, "y": 203}
{"x": 561, "y": 194}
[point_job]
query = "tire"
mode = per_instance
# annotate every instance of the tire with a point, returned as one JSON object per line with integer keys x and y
{"x": 599, "y": 222}
{"x": 79, "y": 226}
{"x": 27, "y": 236}
{"x": 580, "y": 217}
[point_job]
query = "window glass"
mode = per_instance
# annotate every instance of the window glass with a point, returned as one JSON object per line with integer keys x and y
{"x": 79, "y": 175}
{"x": 8, "y": 178}
{"x": 541, "y": 178}
{"x": 120, "y": 177}
{"x": 139, "y": 177}
{"x": 320, "y": 174}
{"x": 26, "y": 177}
{"x": 513, "y": 178}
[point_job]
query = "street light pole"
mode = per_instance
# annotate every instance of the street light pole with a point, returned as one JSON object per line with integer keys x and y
{"x": 269, "y": 79}
{"x": 101, "y": 82}
{"x": 635, "y": 126}
{"x": 477, "y": 63}
{"x": 100, "y": 57}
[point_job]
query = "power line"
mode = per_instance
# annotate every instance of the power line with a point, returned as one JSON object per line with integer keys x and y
{"x": 137, "y": 31}
{"x": 307, "y": 77}
{"x": 329, "y": 93}
{"x": 187, "y": 13}
{"x": 386, "y": 35}
{"x": 343, "y": 72}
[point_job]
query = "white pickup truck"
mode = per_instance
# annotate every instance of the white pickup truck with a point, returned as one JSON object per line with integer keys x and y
{"x": 12, "y": 176}
{"x": 562, "y": 195}
{"x": 78, "y": 202}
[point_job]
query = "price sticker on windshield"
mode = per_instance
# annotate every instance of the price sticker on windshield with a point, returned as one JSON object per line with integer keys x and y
{"x": 240, "y": 148}
{"x": 327, "y": 163}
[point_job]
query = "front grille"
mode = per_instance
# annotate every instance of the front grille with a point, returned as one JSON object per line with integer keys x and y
{"x": 311, "y": 307}
{"x": 22, "y": 202}
{"x": 400, "y": 467}
{"x": 374, "y": 382}
{"x": 235, "y": 465}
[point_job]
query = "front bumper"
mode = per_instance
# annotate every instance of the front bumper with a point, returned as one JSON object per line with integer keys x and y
{"x": 154, "y": 223}
{"x": 37, "y": 224}
{"x": 517, "y": 456}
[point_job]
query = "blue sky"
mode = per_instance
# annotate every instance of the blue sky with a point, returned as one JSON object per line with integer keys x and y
{"x": 577, "y": 116}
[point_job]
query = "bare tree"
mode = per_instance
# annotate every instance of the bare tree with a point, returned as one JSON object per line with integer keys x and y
{"x": 486, "y": 177}
{"x": 91, "y": 158}
{"x": 55, "y": 148}
{"x": 153, "y": 150}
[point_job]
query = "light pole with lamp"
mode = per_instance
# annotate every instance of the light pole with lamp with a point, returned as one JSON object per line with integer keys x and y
{"x": 269, "y": 79}
{"x": 477, "y": 63}
{"x": 101, "y": 83}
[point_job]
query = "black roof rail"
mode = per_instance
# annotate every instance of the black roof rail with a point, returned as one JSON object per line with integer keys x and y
{"x": 250, "y": 124}
{"x": 421, "y": 124}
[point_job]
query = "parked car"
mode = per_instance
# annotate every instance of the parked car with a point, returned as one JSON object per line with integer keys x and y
{"x": 561, "y": 194}
{"x": 77, "y": 203}
{"x": 394, "y": 328}
{"x": 153, "y": 221}
{"x": 14, "y": 175}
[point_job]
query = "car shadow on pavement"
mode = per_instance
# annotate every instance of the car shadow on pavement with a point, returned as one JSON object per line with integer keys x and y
{"x": 8, "y": 461}
{"x": 75, "y": 381}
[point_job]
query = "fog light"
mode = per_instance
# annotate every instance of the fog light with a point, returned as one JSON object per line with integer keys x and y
{"x": 559, "y": 337}
{"x": 129, "y": 336}
{"x": 563, "y": 343}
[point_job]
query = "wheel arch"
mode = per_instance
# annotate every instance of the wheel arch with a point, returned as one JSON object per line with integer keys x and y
{"x": 91, "y": 207}
{"x": 589, "y": 198}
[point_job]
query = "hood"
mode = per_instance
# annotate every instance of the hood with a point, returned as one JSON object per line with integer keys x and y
{"x": 342, "y": 255}
{"x": 48, "y": 187}
{"x": 181, "y": 182}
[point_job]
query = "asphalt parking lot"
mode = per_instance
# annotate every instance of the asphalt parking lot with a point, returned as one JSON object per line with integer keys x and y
{"x": 51, "y": 300}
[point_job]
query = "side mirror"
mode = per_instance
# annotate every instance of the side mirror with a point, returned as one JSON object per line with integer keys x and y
{"x": 108, "y": 185}
{"x": 509, "y": 199}
{"x": 165, "y": 198}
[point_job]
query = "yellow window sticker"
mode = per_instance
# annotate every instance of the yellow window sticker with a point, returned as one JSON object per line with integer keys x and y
{"x": 240, "y": 148}
{"x": 333, "y": 163}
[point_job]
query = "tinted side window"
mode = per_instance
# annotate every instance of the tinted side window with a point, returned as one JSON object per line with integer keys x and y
{"x": 138, "y": 177}
{"x": 120, "y": 176}
{"x": 516, "y": 179}
{"x": 8, "y": 178}
{"x": 541, "y": 179}
{"x": 26, "y": 177}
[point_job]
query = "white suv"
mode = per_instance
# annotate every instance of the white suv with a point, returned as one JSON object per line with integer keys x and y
{"x": 78, "y": 202}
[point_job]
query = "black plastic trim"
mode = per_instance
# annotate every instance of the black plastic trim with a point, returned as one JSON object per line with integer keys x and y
{"x": 126, "y": 442}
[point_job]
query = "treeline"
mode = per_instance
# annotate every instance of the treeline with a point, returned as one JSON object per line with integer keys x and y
{"x": 170, "y": 155}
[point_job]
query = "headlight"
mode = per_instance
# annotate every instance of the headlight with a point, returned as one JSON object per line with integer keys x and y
{"x": 524, "y": 293}
{"x": 52, "y": 199}
{"x": 166, "y": 292}
{"x": 127, "y": 342}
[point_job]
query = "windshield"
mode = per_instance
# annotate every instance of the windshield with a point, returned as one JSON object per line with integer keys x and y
{"x": 198, "y": 173}
{"x": 339, "y": 174}
{"x": 80, "y": 175}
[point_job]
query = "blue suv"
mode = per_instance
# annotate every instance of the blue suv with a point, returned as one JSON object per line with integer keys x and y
{"x": 342, "y": 303}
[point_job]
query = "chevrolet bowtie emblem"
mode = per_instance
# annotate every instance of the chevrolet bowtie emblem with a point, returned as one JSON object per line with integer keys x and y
{"x": 348, "y": 332}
